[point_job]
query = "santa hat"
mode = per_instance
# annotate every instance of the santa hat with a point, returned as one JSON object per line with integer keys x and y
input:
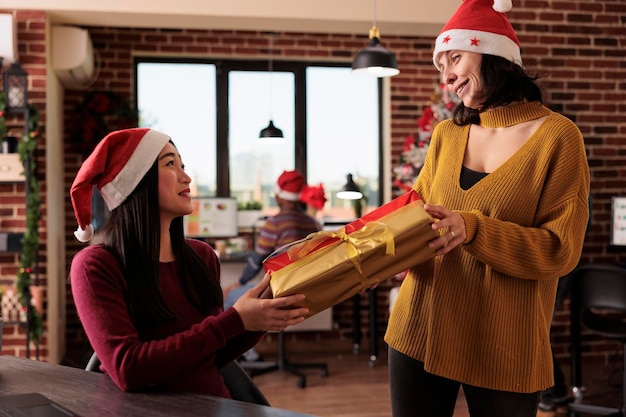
{"x": 480, "y": 26}
{"x": 313, "y": 196}
{"x": 116, "y": 166}
{"x": 289, "y": 185}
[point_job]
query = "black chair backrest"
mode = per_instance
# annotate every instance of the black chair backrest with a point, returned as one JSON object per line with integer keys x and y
{"x": 240, "y": 385}
{"x": 94, "y": 363}
{"x": 601, "y": 287}
{"x": 236, "y": 379}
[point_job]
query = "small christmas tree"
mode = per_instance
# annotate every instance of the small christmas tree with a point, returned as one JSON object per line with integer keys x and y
{"x": 440, "y": 107}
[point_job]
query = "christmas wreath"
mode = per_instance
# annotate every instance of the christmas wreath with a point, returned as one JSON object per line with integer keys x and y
{"x": 99, "y": 113}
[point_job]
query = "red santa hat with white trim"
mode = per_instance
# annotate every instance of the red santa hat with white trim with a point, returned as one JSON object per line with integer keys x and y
{"x": 116, "y": 166}
{"x": 289, "y": 185}
{"x": 480, "y": 26}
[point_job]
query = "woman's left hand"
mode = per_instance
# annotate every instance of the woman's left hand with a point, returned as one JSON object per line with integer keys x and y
{"x": 451, "y": 228}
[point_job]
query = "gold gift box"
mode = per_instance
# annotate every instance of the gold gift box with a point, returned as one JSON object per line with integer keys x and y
{"x": 330, "y": 267}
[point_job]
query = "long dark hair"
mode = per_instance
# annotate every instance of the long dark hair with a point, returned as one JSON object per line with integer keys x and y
{"x": 504, "y": 83}
{"x": 133, "y": 234}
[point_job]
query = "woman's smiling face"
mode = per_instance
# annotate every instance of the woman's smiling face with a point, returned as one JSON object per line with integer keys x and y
{"x": 460, "y": 72}
{"x": 174, "y": 198}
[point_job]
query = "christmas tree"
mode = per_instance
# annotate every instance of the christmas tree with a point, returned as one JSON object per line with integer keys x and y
{"x": 440, "y": 107}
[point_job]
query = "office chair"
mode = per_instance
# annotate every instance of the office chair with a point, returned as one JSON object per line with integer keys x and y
{"x": 255, "y": 368}
{"x": 94, "y": 363}
{"x": 238, "y": 382}
{"x": 599, "y": 297}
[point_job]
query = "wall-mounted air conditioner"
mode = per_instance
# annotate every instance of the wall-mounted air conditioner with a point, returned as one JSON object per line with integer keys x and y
{"x": 72, "y": 56}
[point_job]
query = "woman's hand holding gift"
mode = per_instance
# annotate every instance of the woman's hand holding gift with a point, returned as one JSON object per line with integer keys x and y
{"x": 264, "y": 314}
{"x": 451, "y": 228}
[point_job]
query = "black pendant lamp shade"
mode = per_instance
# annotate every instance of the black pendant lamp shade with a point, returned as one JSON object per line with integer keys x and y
{"x": 375, "y": 60}
{"x": 271, "y": 131}
{"x": 350, "y": 191}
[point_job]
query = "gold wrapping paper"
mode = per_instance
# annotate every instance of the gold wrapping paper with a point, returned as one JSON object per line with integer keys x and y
{"x": 330, "y": 274}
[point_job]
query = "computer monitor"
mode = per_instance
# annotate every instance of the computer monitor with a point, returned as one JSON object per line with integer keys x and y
{"x": 212, "y": 217}
{"x": 618, "y": 221}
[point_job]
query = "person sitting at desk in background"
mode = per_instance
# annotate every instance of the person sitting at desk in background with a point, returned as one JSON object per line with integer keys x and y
{"x": 149, "y": 299}
{"x": 290, "y": 224}
{"x": 506, "y": 180}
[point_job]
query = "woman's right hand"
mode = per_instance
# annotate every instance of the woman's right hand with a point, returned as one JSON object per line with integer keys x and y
{"x": 275, "y": 314}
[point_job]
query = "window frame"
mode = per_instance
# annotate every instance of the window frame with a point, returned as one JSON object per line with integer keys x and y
{"x": 298, "y": 68}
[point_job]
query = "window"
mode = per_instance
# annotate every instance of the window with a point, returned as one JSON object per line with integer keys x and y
{"x": 342, "y": 134}
{"x": 179, "y": 100}
{"x": 214, "y": 111}
{"x": 255, "y": 98}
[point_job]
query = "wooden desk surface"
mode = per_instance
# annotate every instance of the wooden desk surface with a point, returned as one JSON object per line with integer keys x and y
{"x": 93, "y": 394}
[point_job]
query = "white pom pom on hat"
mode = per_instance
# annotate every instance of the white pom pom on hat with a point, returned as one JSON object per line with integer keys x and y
{"x": 289, "y": 185}
{"x": 116, "y": 166}
{"x": 502, "y": 6}
{"x": 480, "y": 26}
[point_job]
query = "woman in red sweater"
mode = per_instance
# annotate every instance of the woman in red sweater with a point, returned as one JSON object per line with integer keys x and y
{"x": 150, "y": 300}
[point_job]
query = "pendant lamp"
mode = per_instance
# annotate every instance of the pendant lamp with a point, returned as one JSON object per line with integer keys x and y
{"x": 350, "y": 191}
{"x": 375, "y": 60}
{"x": 271, "y": 131}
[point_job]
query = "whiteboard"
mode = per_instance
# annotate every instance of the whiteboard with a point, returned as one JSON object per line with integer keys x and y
{"x": 618, "y": 221}
{"x": 212, "y": 217}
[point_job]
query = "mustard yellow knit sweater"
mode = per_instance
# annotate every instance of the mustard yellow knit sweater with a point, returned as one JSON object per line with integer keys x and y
{"x": 481, "y": 314}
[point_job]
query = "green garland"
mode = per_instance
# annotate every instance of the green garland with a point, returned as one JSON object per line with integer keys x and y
{"x": 28, "y": 259}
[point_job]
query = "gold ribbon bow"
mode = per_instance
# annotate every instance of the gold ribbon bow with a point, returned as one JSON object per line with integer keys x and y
{"x": 370, "y": 234}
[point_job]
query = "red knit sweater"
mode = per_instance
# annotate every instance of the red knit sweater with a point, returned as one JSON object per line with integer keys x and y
{"x": 179, "y": 355}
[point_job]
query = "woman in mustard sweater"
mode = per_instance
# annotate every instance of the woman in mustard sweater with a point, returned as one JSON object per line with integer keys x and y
{"x": 508, "y": 181}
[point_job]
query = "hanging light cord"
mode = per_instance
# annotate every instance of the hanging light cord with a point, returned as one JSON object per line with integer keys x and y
{"x": 271, "y": 70}
{"x": 374, "y": 13}
{"x": 374, "y": 33}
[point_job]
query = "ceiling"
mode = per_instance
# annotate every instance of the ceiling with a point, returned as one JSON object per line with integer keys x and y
{"x": 393, "y": 17}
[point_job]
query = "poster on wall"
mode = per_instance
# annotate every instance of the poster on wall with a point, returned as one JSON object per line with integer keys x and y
{"x": 212, "y": 217}
{"x": 618, "y": 221}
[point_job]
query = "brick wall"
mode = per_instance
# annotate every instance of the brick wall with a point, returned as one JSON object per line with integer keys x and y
{"x": 32, "y": 55}
{"x": 580, "y": 48}
{"x": 577, "y": 47}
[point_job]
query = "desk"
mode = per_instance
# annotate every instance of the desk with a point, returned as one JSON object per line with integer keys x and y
{"x": 93, "y": 394}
